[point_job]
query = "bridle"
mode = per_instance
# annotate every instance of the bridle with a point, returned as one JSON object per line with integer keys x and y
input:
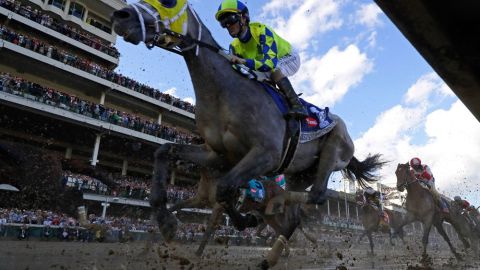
{"x": 162, "y": 32}
{"x": 405, "y": 182}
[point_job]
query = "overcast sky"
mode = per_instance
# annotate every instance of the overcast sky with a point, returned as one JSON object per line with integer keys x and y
{"x": 355, "y": 61}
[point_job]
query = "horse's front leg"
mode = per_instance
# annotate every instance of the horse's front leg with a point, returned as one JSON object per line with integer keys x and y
{"x": 165, "y": 157}
{"x": 197, "y": 154}
{"x": 167, "y": 222}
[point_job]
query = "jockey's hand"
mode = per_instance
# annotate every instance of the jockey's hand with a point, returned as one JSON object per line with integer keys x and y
{"x": 237, "y": 60}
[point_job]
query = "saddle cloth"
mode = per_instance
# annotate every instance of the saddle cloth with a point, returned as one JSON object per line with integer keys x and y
{"x": 386, "y": 217}
{"x": 318, "y": 123}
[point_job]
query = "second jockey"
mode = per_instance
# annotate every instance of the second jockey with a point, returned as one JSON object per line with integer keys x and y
{"x": 423, "y": 174}
{"x": 375, "y": 198}
{"x": 467, "y": 210}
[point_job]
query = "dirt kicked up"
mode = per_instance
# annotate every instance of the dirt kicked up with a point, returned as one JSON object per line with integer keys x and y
{"x": 33, "y": 255}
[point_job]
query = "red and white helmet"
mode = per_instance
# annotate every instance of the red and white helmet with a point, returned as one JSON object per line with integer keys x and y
{"x": 415, "y": 161}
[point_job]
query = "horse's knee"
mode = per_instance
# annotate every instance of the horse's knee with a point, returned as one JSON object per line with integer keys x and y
{"x": 158, "y": 197}
{"x": 162, "y": 151}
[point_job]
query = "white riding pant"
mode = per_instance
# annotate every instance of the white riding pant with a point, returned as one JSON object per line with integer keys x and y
{"x": 289, "y": 64}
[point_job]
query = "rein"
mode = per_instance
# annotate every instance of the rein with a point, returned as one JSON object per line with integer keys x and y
{"x": 406, "y": 183}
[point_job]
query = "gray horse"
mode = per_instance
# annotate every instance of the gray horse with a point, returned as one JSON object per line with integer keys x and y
{"x": 243, "y": 130}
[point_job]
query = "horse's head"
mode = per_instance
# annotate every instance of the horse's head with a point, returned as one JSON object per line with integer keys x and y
{"x": 153, "y": 22}
{"x": 404, "y": 177}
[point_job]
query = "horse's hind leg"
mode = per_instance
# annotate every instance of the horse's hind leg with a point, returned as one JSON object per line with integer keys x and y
{"x": 335, "y": 155}
{"x": 370, "y": 240}
{"x": 390, "y": 236}
{"x": 400, "y": 234}
{"x": 309, "y": 237}
{"x": 458, "y": 228}
{"x": 217, "y": 212}
{"x": 361, "y": 236}
{"x": 442, "y": 232}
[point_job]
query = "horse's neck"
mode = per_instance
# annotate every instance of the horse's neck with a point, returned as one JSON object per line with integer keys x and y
{"x": 204, "y": 68}
{"x": 415, "y": 192}
{"x": 414, "y": 188}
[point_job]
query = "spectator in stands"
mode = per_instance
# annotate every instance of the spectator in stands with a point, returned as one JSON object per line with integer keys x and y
{"x": 64, "y": 236}
{"x": 93, "y": 68}
{"x": 23, "y": 232}
{"x": 47, "y": 232}
{"x": 52, "y": 97}
{"x": 3, "y": 222}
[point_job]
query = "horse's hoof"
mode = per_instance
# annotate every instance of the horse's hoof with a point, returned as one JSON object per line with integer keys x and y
{"x": 199, "y": 253}
{"x": 167, "y": 224}
{"x": 264, "y": 265}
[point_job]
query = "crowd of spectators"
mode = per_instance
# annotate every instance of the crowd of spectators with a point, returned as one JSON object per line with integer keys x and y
{"x": 86, "y": 65}
{"x": 17, "y": 85}
{"x": 126, "y": 187}
{"x": 342, "y": 222}
{"x": 68, "y": 228}
{"x": 84, "y": 182}
{"x": 176, "y": 194}
{"x": 44, "y": 19}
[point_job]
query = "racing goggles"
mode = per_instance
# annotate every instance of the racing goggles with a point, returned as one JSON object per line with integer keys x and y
{"x": 229, "y": 19}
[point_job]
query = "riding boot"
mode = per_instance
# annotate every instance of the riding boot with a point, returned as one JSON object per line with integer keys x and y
{"x": 438, "y": 199}
{"x": 297, "y": 111}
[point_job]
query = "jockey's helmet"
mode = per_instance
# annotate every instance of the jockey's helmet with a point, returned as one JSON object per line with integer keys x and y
{"x": 457, "y": 198}
{"x": 231, "y": 6}
{"x": 415, "y": 162}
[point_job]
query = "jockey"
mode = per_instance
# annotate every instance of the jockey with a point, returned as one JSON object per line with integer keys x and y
{"x": 373, "y": 197}
{"x": 258, "y": 47}
{"x": 256, "y": 190}
{"x": 423, "y": 174}
{"x": 464, "y": 204}
{"x": 468, "y": 210}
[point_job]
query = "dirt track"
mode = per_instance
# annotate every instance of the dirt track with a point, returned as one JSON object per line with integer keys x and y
{"x": 73, "y": 255}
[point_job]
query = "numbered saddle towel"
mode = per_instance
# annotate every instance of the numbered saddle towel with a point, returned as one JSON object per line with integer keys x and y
{"x": 318, "y": 123}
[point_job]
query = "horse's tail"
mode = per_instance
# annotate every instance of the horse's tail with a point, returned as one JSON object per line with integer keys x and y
{"x": 362, "y": 171}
